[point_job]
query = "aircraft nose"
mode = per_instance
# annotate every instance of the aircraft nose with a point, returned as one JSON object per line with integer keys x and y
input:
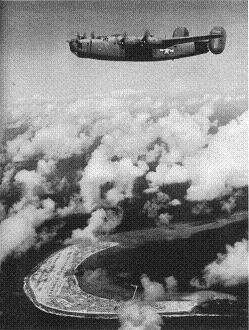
{"x": 73, "y": 45}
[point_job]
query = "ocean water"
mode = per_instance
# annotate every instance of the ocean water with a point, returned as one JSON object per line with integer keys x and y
{"x": 174, "y": 257}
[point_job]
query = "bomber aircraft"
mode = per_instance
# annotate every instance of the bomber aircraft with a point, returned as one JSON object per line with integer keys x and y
{"x": 121, "y": 47}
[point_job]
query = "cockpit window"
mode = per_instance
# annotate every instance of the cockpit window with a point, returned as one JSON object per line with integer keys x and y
{"x": 102, "y": 37}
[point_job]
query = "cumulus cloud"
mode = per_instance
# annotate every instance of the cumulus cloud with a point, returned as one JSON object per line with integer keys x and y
{"x": 175, "y": 202}
{"x": 228, "y": 269}
{"x": 18, "y": 231}
{"x": 222, "y": 165}
{"x": 166, "y": 174}
{"x": 32, "y": 182}
{"x": 45, "y": 168}
{"x": 56, "y": 141}
{"x": 213, "y": 170}
{"x": 87, "y": 156}
{"x": 7, "y": 175}
{"x": 100, "y": 171}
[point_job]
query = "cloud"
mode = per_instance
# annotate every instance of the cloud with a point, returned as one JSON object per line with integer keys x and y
{"x": 213, "y": 170}
{"x": 175, "y": 202}
{"x": 139, "y": 316}
{"x": 164, "y": 219}
{"x": 101, "y": 171}
{"x": 229, "y": 205}
{"x": 228, "y": 269}
{"x": 153, "y": 291}
{"x": 88, "y": 233}
{"x": 166, "y": 174}
{"x": 221, "y": 166}
{"x": 17, "y": 232}
{"x": 32, "y": 182}
{"x": 101, "y": 221}
{"x": 55, "y": 141}
{"x": 171, "y": 284}
{"x": 231, "y": 268}
{"x": 95, "y": 153}
{"x": 2, "y": 212}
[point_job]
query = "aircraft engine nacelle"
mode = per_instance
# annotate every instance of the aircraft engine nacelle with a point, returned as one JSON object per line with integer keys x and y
{"x": 216, "y": 46}
{"x": 180, "y": 32}
{"x": 131, "y": 41}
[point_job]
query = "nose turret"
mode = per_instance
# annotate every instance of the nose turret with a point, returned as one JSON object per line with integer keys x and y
{"x": 73, "y": 44}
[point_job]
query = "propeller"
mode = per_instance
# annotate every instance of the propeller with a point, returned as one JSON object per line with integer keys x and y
{"x": 123, "y": 39}
{"x": 79, "y": 36}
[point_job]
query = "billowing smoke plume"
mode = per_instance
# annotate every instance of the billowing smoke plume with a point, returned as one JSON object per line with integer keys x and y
{"x": 101, "y": 222}
{"x": 228, "y": 269}
{"x": 139, "y": 316}
{"x": 94, "y": 223}
{"x": 153, "y": 291}
{"x": 91, "y": 156}
{"x": 171, "y": 284}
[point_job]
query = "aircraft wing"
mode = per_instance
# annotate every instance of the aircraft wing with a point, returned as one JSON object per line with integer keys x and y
{"x": 164, "y": 43}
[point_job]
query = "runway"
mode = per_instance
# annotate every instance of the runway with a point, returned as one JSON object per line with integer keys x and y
{"x": 53, "y": 286}
{"x": 53, "y": 289}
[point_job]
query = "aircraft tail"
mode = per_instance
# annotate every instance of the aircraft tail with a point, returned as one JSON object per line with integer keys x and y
{"x": 217, "y": 45}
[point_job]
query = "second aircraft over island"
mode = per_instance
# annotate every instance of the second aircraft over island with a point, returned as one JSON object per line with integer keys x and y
{"x": 121, "y": 47}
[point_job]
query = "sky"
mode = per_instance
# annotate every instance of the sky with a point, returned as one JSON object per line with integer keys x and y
{"x": 37, "y": 60}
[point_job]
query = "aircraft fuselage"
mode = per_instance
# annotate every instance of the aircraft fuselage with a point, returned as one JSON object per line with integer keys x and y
{"x": 111, "y": 49}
